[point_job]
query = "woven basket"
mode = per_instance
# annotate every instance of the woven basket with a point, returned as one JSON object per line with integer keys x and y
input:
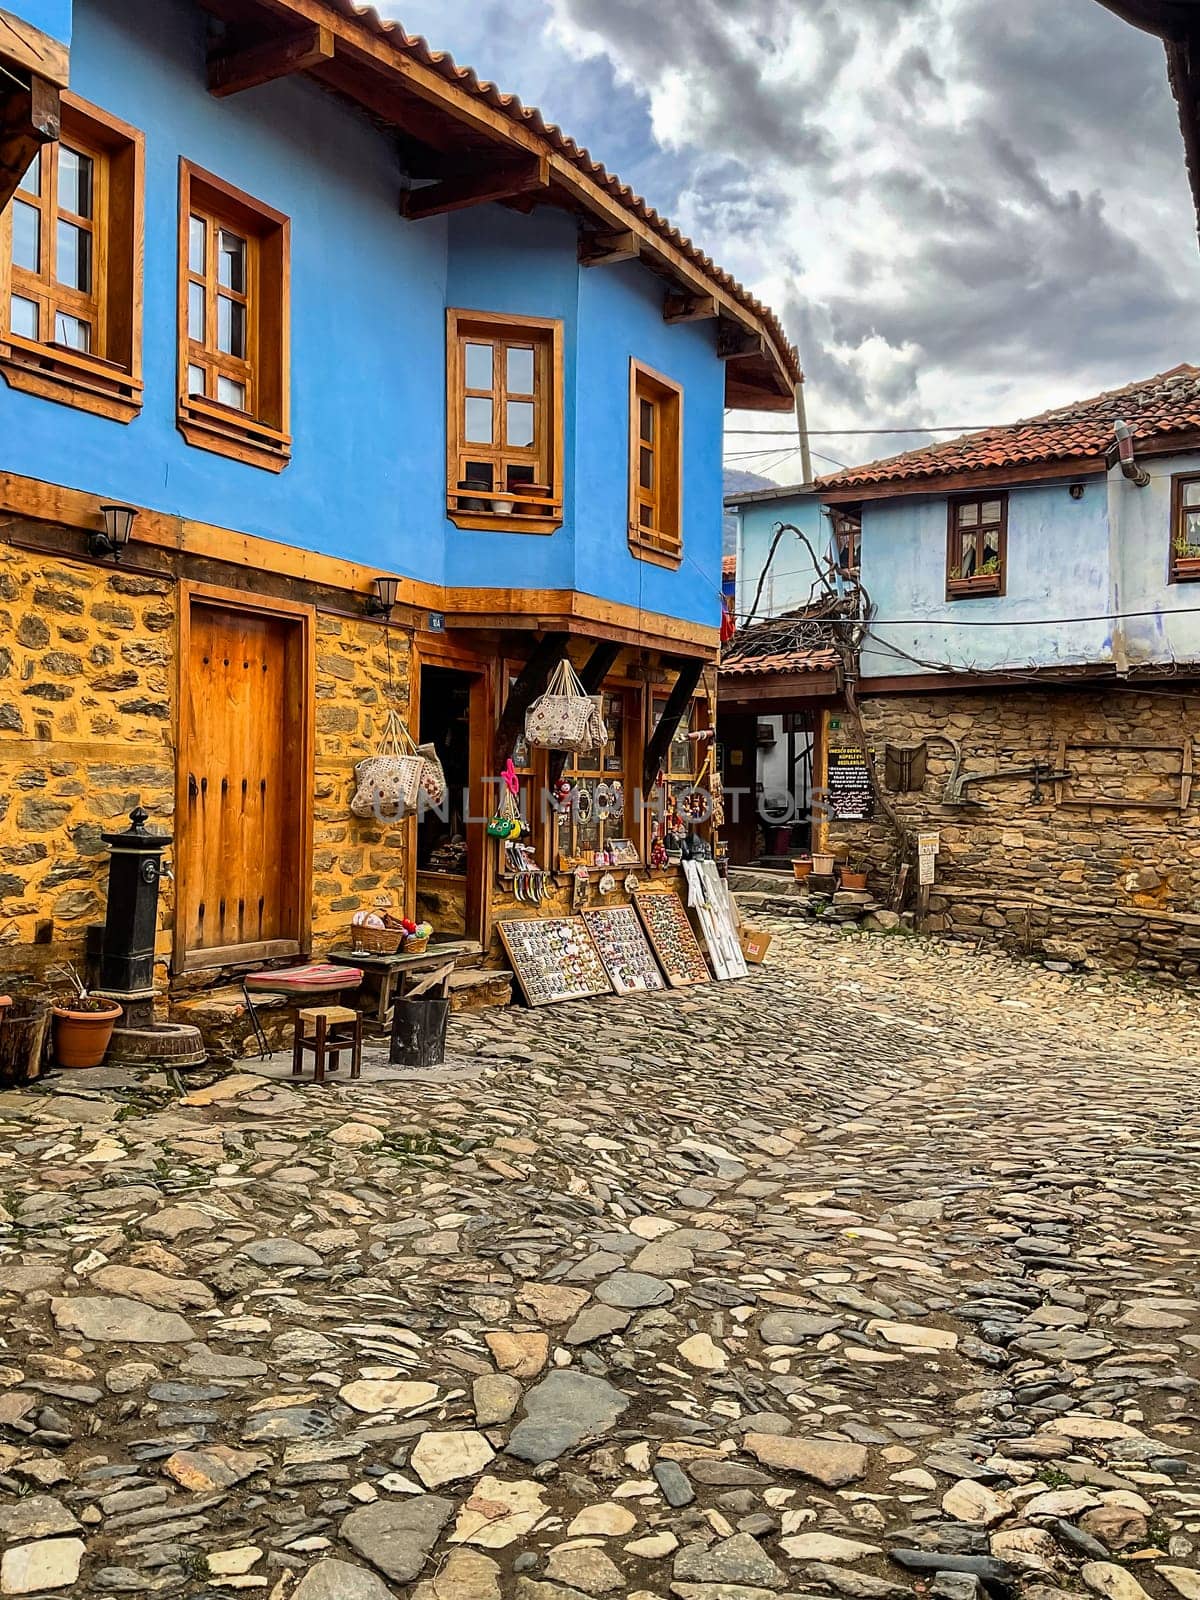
{"x": 416, "y": 947}
{"x": 375, "y": 941}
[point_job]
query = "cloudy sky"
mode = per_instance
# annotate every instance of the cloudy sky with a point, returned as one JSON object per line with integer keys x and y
{"x": 963, "y": 211}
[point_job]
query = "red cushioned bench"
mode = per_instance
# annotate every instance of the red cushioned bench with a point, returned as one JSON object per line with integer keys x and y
{"x": 300, "y": 987}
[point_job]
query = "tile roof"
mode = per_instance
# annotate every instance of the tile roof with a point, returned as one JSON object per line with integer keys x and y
{"x": 778, "y": 661}
{"x": 789, "y": 643}
{"x": 729, "y": 566}
{"x": 1167, "y": 403}
{"x": 415, "y": 48}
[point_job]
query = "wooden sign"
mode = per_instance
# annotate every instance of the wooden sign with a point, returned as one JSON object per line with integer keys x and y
{"x": 628, "y": 959}
{"x": 554, "y": 959}
{"x": 849, "y": 792}
{"x": 670, "y": 933}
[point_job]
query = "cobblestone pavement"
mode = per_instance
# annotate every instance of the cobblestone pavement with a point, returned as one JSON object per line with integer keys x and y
{"x": 874, "y": 1275}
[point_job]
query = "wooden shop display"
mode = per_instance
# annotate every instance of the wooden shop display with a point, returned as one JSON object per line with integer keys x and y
{"x": 671, "y": 937}
{"x": 624, "y": 950}
{"x": 554, "y": 959}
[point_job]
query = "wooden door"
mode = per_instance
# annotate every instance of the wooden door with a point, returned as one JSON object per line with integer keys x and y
{"x": 244, "y": 789}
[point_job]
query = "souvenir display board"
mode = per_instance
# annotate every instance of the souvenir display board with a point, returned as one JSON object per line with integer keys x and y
{"x": 554, "y": 959}
{"x": 670, "y": 933}
{"x": 627, "y": 957}
{"x": 717, "y": 917}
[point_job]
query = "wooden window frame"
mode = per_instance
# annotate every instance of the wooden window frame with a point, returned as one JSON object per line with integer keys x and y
{"x": 847, "y": 540}
{"x": 262, "y": 437}
{"x": 1182, "y": 568}
{"x": 106, "y": 381}
{"x": 982, "y": 584}
{"x": 662, "y": 545}
{"x": 536, "y": 514}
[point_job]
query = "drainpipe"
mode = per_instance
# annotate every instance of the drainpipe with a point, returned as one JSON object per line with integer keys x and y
{"x": 1117, "y": 493}
{"x": 1125, "y": 456}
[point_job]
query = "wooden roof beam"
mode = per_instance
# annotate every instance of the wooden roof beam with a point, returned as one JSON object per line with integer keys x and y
{"x": 683, "y": 307}
{"x": 232, "y": 71}
{"x": 736, "y": 343}
{"x": 606, "y": 249}
{"x": 29, "y": 118}
{"x": 498, "y": 182}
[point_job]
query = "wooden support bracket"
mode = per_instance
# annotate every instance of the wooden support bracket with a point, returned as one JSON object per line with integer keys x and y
{"x": 677, "y": 704}
{"x": 735, "y": 343}
{"x": 680, "y": 307}
{"x": 606, "y": 249}
{"x": 29, "y": 118}
{"x": 595, "y": 669}
{"x": 531, "y": 682}
{"x": 232, "y": 71}
{"x": 504, "y": 181}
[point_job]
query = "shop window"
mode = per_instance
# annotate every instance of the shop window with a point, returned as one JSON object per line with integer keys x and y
{"x": 525, "y": 762}
{"x": 684, "y": 758}
{"x": 1185, "y": 528}
{"x": 71, "y": 268}
{"x": 976, "y": 551}
{"x": 602, "y": 807}
{"x": 234, "y": 354}
{"x": 655, "y": 467}
{"x": 504, "y": 423}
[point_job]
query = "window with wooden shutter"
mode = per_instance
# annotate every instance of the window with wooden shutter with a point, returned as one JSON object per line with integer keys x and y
{"x": 234, "y": 356}
{"x": 71, "y": 268}
{"x": 655, "y": 466}
{"x": 504, "y": 460}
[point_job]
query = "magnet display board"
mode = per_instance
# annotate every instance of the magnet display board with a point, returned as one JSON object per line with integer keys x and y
{"x": 554, "y": 959}
{"x": 716, "y": 915}
{"x": 670, "y": 933}
{"x": 628, "y": 958}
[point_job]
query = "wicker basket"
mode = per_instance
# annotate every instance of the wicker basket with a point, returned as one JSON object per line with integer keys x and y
{"x": 375, "y": 941}
{"x": 416, "y": 947}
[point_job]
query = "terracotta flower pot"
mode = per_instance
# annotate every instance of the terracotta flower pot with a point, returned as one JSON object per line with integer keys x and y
{"x": 82, "y": 1037}
{"x": 802, "y": 868}
{"x": 853, "y": 880}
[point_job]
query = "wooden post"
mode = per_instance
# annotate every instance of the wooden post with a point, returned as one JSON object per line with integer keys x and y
{"x": 677, "y": 703}
{"x": 29, "y": 118}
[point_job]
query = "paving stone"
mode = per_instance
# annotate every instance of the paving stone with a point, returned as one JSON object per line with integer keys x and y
{"x": 397, "y": 1536}
{"x": 565, "y": 1409}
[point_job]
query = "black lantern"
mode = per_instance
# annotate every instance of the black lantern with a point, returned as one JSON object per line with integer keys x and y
{"x": 118, "y": 525}
{"x": 381, "y": 603}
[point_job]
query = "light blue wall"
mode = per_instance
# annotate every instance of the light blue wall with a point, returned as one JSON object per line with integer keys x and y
{"x": 1143, "y": 517}
{"x": 369, "y": 296}
{"x": 51, "y": 16}
{"x": 791, "y": 574}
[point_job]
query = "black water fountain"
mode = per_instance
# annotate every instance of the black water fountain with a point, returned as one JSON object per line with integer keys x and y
{"x": 121, "y": 954}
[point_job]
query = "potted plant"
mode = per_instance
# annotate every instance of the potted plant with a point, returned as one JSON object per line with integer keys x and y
{"x": 854, "y": 873}
{"x": 984, "y": 580}
{"x": 802, "y": 867}
{"x": 82, "y": 1025}
{"x": 1186, "y": 563}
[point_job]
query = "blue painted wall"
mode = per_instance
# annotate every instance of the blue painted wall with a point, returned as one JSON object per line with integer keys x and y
{"x": 1105, "y": 557}
{"x": 791, "y": 574}
{"x": 51, "y": 16}
{"x": 369, "y": 295}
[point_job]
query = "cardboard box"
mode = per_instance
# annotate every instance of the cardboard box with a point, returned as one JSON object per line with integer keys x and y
{"x": 755, "y": 944}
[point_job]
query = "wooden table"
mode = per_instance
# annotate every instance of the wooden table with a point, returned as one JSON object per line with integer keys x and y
{"x": 386, "y": 972}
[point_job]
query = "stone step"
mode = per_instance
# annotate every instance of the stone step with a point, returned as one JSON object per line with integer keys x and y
{"x": 480, "y": 988}
{"x": 761, "y": 880}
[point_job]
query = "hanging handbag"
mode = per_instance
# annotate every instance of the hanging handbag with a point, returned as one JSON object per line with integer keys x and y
{"x": 388, "y": 782}
{"x": 433, "y": 774}
{"x": 566, "y": 717}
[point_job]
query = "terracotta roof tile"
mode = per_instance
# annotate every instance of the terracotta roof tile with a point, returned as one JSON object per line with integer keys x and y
{"x": 729, "y": 566}
{"x": 416, "y": 48}
{"x": 1166, "y": 403}
{"x": 778, "y": 661}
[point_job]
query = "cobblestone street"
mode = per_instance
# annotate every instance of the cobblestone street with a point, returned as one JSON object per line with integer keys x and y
{"x": 873, "y": 1275}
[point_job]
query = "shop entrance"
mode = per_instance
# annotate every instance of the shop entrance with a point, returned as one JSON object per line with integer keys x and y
{"x": 451, "y": 842}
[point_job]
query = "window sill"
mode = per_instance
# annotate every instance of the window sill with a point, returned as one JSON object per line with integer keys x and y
{"x": 657, "y": 555}
{"x": 490, "y": 522}
{"x": 233, "y": 434}
{"x": 974, "y": 588}
{"x": 1185, "y": 569}
{"x": 71, "y": 379}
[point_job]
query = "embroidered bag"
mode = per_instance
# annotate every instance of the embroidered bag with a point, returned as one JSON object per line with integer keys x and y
{"x": 566, "y": 717}
{"x": 387, "y": 783}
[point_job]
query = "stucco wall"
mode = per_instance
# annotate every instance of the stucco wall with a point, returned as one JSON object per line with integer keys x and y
{"x": 368, "y": 352}
{"x": 1143, "y": 518}
{"x": 791, "y": 575}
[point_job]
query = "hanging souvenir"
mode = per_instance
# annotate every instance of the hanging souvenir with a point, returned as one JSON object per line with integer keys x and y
{"x": 583, "y": 803}
{"x": 607, "y": 883}
{"x": 389, "y": 781}
{"x": 561, "y": 798}
{"x": 580, "y": 884}
{"x": 616, "y": 799}
{"x": 566, "y": 717}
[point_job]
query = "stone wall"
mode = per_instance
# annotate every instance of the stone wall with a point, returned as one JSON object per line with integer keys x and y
{"x": 1119, "y": 884}
{"x": 88, "y": 686}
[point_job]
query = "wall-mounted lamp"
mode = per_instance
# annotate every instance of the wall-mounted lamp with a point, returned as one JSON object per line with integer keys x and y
{"x": 118, "y": 525}
{"x": 1076, "y": 491}
{"x": 382, "y": 602}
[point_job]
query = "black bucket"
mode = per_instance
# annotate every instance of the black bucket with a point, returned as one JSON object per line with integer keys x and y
{"x": 419, "y": 1032}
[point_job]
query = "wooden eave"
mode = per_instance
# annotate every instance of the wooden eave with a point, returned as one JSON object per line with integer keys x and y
{"x": 1013, "y": 475}
{"x": 758, "y": 691}
{"x": 450, "y": 133}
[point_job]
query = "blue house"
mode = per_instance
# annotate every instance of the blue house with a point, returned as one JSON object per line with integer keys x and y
{"x": 395, "y": 397}
{"x": 1027, "y": 675}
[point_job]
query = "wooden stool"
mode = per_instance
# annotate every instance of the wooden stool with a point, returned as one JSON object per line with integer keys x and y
{"x": 327, "y": 1031}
